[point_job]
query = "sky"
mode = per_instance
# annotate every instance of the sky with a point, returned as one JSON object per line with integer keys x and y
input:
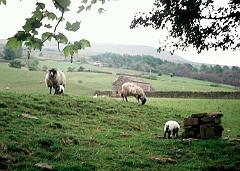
{"x": 112, "y": 26}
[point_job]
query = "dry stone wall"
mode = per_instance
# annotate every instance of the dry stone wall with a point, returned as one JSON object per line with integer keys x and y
{"x": 203, "y": 126}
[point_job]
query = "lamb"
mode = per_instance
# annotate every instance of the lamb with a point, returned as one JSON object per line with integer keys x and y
{"x": 171, "y": 127}
{"x": 60, "y": 89}
{"x": 54, "y": 79}
{"x": 130, "y": 89}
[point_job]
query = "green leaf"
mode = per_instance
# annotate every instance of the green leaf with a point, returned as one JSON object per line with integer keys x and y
{"x": 71, "y": 49}
{"x": 93, "y": 1}
{"x": 37, "y": 15}
{"x": 47, "y": 26}
{"x": 88, "y": 7}
{"x": 3, "y": 1}
{"x": 85, "y": 43}
{"x": 80, "y": 8}
{"x": 31, "y": 24}
{"x": 101, "y": 10}
{"x": 61, "y": 38}
{"x": 50, "y": 15}
{"x": 103, "y": 1}
{"x": 84, "y": 1}
{"x": 72, "y": 27}
{"x": 82, "y": 44}
{"x": 34, "y": 43}
{"x": 68, "y": 50}
{"x": 46, "y": 36}
{"x": 62, "y": 5}
{"x": 14, "y": 43}
{"x": 22, "y": 36}
{"x": 40, "y": 6}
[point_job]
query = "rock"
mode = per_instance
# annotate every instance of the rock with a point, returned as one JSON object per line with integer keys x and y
{"x": 163, "y": 159}
{"x": 187, "y": 141}
{"x": 44, "y": 166}
{"x": 198, "y": 115}
{"x": 25, "y": 115}
{"x": 190, "y": 121}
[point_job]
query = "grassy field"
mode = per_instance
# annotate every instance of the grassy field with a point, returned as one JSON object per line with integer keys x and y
{"x": 78, "y": 132}
{"x": 85, "y": 83}
{"x": 84, "y": 133}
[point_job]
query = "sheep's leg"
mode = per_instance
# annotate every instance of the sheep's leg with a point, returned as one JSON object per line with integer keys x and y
{"x": 176, "y": 133}
{"x": 126, "y": 98}
{"x": 50, "y": 90}
{"x": 169, "y": 133}
{"x": 165, "y": 133}
{"x": 57, "y": 91}
{"x": 122, "y": 96}
{"x": 138, "y": 97}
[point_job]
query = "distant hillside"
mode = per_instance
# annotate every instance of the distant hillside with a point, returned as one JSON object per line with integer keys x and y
{"x": 99, "y": 48}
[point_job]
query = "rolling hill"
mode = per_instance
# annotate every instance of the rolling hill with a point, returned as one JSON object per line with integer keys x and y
{"x": 99, "y": 48}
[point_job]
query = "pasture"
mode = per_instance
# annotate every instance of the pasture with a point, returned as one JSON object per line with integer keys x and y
{"x": 77, "y": 132}
{"x": 85, "y": 83}
{"x": 83, "y": 133}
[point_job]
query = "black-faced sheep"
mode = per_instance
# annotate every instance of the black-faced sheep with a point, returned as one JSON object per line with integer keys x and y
{"x": 171, "y": 127}
{"x": 130, "y": 89}
{"x": 54, "y": 79}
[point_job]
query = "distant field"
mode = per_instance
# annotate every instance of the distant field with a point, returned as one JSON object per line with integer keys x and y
{"x": 85, "y": 83}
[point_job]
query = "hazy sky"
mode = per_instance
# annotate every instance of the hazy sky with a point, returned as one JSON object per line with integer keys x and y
{"x": 110, "y": 27}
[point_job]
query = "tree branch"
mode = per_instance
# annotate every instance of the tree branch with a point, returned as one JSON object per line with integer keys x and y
{"x": 55, "y": 27}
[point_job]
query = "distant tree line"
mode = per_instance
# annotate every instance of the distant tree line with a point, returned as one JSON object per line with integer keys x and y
{"x": 147, "y": 63}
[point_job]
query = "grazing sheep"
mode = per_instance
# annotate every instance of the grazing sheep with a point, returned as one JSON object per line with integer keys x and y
{"x": 54, "y": 79}
{"x": 171, "y": 127}
{"x": 130, "y": 89}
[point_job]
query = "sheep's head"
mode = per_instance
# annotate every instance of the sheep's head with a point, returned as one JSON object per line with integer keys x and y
{"x": 52, "y": 72}
{"x": 143, "y": 100}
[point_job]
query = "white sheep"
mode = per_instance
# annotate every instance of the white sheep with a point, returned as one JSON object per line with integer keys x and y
{"x": 171, "y": 127}
{"x": 130, "y": 89}
{"x": 54, "y": 79}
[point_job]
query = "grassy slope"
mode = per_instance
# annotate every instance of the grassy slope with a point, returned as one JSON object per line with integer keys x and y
{"x": 74, "y": 133}
{"x": 86, "y": 83}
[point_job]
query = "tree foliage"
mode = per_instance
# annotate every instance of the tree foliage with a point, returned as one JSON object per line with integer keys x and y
{"x": 10, "y": 54}
{"x": 16, "y": 63}
{"x": 30, "y": 37}
{"x": 145, "y": 63}
{"x": 204, "y": 24}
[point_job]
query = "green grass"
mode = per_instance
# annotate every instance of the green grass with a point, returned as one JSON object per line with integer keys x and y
{"x": 83, "y": 133}
{"x": 85, "y": 83}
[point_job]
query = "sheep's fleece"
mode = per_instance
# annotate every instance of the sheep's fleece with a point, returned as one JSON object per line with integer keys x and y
{"x": 130, "y": 89}
{"x": 171, "y": 127}
{"x": 55, "y": 78}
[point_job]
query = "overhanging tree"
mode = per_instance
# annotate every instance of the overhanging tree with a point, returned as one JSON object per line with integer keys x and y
{"x": 30, "y": 37}
{"x": 204, "y": 24}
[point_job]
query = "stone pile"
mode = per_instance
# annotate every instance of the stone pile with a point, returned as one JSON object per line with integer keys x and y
{"x": 203, "y": 126}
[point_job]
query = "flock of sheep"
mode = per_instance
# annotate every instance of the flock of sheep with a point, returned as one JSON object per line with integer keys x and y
{"x": 57, "y": 80}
